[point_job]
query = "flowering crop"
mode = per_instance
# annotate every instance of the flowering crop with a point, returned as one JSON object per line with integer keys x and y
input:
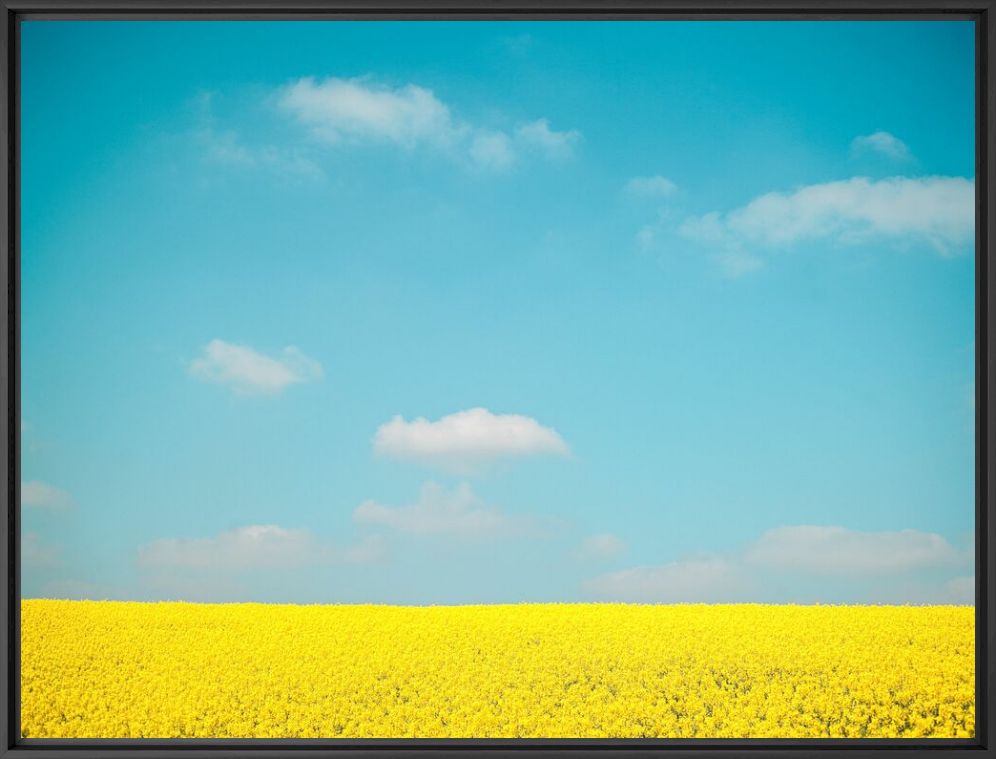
{"x": 127, "y": 670}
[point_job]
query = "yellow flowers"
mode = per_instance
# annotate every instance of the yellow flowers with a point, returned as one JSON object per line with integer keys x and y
{"x": 129, "y": 670}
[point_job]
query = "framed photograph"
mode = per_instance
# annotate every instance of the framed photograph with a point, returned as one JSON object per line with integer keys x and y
{"x": 497, "y": 378}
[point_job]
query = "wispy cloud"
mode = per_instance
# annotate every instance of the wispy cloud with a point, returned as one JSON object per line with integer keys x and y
{"x": 40, "y": 495}
{"x": 228, "y": 147}
{"x": 457, "y": 513}
{"x": 937, "y": 212}
{"x": 881, "y": 143}
{"x": 254, "y": 547}
{"x": 600, "y": 547}
{"x": 652, "y": 187}
{"x": 960, "y": 590}
{"x": 466, "y": 440}
{"x": 832, "y": 550}
{"x": 249, "y": 372}
{"x": 37, "y": 554}
{"x": 554, "y": 144}
{"x": 356, "y": 111}
{"x": 701, "y": 580}
{"x": 904, "y": 566}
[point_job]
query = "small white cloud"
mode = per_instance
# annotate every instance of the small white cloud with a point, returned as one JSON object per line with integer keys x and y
{"x": 600, "y": 547}
{"x": 337, "y": 110}
{"x": 41, "y": 495}
{"x": 703, "y": 580}
{"x": 938, "y": 212}
{"x": 881, "y": 143}
{"x": 655, "y": 186}
{"x": 36, "y": 554}
{"x": 840, "y": 551}
{"x": 467, "y": 439}
{"x": 248, "y": 372}
{"x": 253, "y": 547}
{"x": 362, "y": 111}
{"x": 554, "y": 144}
{"x": 438, "y": 511}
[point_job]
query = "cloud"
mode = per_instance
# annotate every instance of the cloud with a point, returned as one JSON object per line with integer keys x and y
{"x": 655, "y": 186}
{"x": 41, "y": 495}
{"x": 960, "y": 590}
{"x": 248, "y": 372}
{"x": 227, "y": 147}
{"x": 701, "y": 580}
{"x": 492, "y": 150}
{"x": 881, "y": 143}
{"x": 554, "y": 144}
{"x": 938, "y": 212}
{"x": 36, "y": 554}
{"x": 361, "y": 111}
{"x": 438, "y": 511}
{"x": 254, "y": 547}
{"x": 808, "y": 563}
{"x": 467, "y": 439}
{"x": 337, "y": 110}
{"x": 600, "y": 547}
{"x": 841, "y": 551}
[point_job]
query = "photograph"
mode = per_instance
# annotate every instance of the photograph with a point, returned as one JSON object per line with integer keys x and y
{"x": 508, "y": 379}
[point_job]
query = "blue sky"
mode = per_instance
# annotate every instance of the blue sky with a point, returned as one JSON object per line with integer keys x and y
{"x": 494, "y": 312}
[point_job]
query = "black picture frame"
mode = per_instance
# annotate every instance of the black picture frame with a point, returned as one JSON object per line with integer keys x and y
{"x": 981, "y": 12}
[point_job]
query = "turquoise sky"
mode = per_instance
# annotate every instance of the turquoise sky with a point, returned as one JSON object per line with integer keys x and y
{"x": 447, "y": 312}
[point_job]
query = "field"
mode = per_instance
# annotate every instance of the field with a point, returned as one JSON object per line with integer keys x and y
{"x": 109, "y": 669}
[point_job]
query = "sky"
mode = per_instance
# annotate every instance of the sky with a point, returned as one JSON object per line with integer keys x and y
{"x": 465, "y": 312}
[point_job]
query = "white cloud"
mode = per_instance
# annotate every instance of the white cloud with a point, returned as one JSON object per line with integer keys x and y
{"x": 248, "y": 372}
{"x": 41, "y": 495}
{"x": 36, "y": 554}
{"x": 702, "y": 580}
{"x": 554, "y": 144}
{"x": 935, "y": 211}
{"x": 655, "y": 186}
{"x": 254, "y": 547}
{"x": 601, "y": 547}
{"x": 438, "y": 511}
{"x": 882, "y": 143}
{"x": 840, "y": 551}
{"x": 359, "y": 110}
{"x": 467, "y": 439}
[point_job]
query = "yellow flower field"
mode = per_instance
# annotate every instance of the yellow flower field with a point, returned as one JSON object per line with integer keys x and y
{"x": 109, "y": 669}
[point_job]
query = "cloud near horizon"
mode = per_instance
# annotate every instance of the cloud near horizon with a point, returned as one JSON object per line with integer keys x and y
{"x": 254, "y": 547}
{"x": 359, "y": 110}
{"x": 831, "y": 550}
{"x": 248, "y": 372}
{"x": 702, "y": 580}
{"x": 825, "y": 551}
{"x": 467, "y": 440}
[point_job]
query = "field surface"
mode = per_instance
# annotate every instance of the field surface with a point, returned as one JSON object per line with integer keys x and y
{"x": 109, "y": 669}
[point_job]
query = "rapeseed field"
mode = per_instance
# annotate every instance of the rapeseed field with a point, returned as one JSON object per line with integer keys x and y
{"x": 128, "y": 670}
